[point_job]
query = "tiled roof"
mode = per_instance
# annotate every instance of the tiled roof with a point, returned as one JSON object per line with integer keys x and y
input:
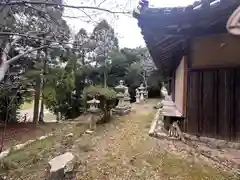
{"x": 166, "y": 31}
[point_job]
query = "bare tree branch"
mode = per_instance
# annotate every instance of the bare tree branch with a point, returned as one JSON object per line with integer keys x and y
{"x": 25, "y": 53}
{"x": 101, "y": 3}
{"x": 5, "y": 64}
{"x": 88, "y": 16}
{"x": 61, "y": 5}
{"x": 46, "y": 13}
{"x": 31, "y": 36}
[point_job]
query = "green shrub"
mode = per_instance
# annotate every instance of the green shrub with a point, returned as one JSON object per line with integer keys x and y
{"x": 106, "y": 96}
{"x": 108, "y": 93}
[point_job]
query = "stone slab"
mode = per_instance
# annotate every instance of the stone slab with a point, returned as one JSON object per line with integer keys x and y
{"x": 61, "y": 165}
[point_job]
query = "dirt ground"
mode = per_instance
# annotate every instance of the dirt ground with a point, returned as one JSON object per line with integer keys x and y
{"x": 118, "y": 150}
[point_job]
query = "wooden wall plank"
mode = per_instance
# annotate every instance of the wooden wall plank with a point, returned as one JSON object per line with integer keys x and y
{"x": 224, "y": 104}
{"x": 213, "y": 104}
{"x": 192, "y": 123}
{"x": 185, "y": 85}
{"x": 237, "y": 105}
{"x": 231, "y": 105}
{"x": 221, "y": 50}
{"x": 200, "y": 103}
{"x": 207, "y": 104}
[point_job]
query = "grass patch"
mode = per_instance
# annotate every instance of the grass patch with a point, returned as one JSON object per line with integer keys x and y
{"x": 31, "y": 161}
{"x": 29, "y": 156}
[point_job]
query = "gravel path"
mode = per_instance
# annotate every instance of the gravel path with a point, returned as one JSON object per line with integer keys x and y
{"x": 122, "y": 150}
{"x": 48, "y": 116}
{"x": 118, "y": 150}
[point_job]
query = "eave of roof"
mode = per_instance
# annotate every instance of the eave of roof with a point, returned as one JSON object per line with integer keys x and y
{"x": 167, "y": 39}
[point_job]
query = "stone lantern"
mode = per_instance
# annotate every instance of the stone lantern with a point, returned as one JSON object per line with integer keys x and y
{"x": 127, "y": 97}
{"x": 145, "y": 94}
{"x": 137, "y": 96}
{"x": 120, "y": 93}
{"x": 94, "y": 111}
{"x": 141, "y": 91}
{"x": 93, "y": 105}
{"x": 123, "y": 99}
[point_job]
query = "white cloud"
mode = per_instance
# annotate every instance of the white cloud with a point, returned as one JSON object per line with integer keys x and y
{"x": 125, "y": 26}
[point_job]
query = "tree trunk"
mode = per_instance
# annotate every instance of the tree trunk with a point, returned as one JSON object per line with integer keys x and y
{"x": 5, "y": 125}
{"x": 58, "y": 116}
{"x": 37, "y": 89}
{"x": 105, "y": 74}
{"x": 13, "y": 113}
{"x": 36, "y": 100}
{"x": 41, "y": 115}
{"x": 105, "y": 79}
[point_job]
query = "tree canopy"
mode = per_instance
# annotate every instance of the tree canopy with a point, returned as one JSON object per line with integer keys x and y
{"x": 39, "y": 53}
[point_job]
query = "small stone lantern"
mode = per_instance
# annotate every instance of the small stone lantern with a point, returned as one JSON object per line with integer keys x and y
{"x": 94, "y": 111}
{"x": 93, "y": 105}
{"x": 137, "y": 96}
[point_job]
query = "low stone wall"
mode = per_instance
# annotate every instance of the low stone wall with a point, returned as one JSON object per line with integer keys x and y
{"x": 214, "y": 143}
{"x": 207, "y": 147}
{"x": 21, "y": 146}
{"x": 154, "y": 123}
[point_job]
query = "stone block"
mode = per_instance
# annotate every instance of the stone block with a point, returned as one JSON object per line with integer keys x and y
{"x": 222, "y": 144}
{"x": 4, "y": 153}
{"x": 61, "y": 165}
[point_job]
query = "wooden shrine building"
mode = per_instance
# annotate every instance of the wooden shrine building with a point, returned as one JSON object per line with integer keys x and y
{"x": 192, "y": 48}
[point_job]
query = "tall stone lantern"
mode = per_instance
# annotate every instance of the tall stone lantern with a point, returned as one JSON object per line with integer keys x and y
{"x": 145, "y": 94}
{"x": 137, "y": 96}
{"x": 141, "y": 91}
{"x": 123, "y": 99}
{"x": 127, "y": 97}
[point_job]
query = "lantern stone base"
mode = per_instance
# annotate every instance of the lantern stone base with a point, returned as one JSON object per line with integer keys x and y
{"x": 121, "y": 111}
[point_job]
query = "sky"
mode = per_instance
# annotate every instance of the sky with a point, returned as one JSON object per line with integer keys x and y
{"x": 125, "y": 26}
